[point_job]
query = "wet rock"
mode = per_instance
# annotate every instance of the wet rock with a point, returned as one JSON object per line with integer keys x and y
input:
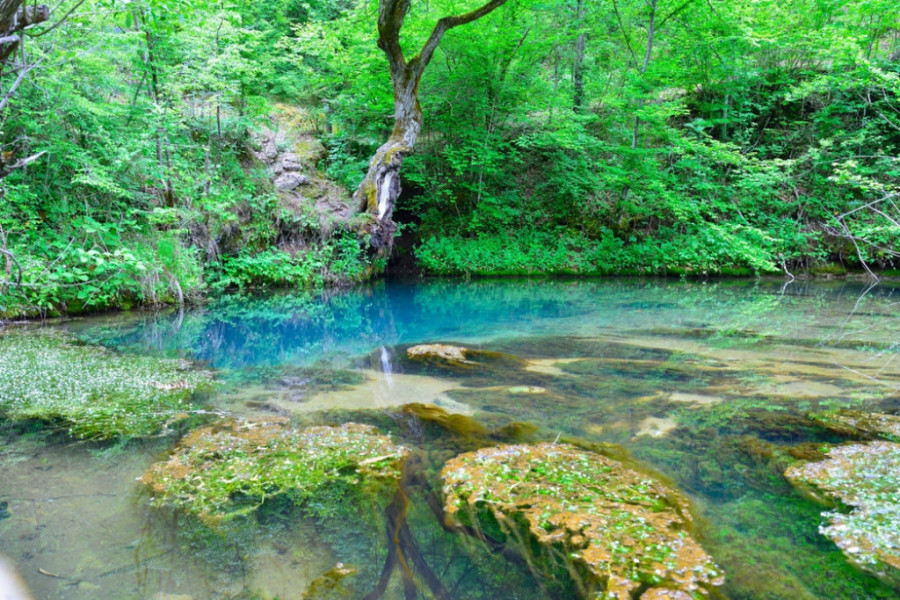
{"x": 439, "y": 353}
{"x": 656, "y": 427}
{"x": 460, "y": 358}
{"x": 695, "y": 399}
{"x": 456, "y": 423}
{"x": 229, "y": 468}
{"x": 520, "y": 390}
{"x": 865, "y": 478}
{"x": 615, "y": 531}
{"x": 861, "y": 424}
{"x": 330, "y": 584}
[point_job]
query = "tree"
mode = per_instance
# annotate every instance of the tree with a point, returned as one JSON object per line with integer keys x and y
{"x": 380, "y": 189}
{"x": 14, "y": 19}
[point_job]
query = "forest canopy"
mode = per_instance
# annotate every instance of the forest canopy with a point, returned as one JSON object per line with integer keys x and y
{"x": 557, "y": 136}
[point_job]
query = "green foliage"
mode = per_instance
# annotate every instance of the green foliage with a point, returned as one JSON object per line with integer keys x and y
{"x": 698, "y": 250}
{"x": 741, "y": 137}
{"x": 90, "y": 391}
{"x": 225, "y": 471}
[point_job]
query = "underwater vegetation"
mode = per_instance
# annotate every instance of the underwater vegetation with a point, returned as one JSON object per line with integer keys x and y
{"x": 860, "y": 424}
{"x": 232, "y": 467}
{"x": 90, "y": 391}
{"x": 862, "y": 482}
{"x": 617, "y": 533}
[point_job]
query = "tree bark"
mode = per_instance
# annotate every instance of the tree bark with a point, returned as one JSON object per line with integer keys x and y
{"x": 379, "y": 190}
{"x": 14, "y": 18}
{"x": 578, "y": 65}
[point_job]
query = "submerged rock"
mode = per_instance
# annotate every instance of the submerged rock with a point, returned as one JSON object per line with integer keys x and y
{"x": 865, "y": 478}
{"x": 439, "y": 353}
{"x": 617, "y": 533}
{"x": 460, "y": 358}
{"x": 858, "y": 423}
{"x": 656, "y": 427}
{"x": 230, "y": 468}
{"x": 331, "y": 584}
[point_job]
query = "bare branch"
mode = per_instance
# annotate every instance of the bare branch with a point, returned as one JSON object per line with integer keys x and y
{"x": 6, "y": 170}
{"x": 16, "y": 83}
{"x": 624, "y": 31}
{"x": 9, "y": 256}
{"x": 887, "y": 198}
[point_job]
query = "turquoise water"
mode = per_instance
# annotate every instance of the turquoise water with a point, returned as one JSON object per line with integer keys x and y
{"x": 709, "y": 384}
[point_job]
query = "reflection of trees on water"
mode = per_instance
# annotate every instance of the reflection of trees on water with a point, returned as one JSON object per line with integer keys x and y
{"x": 305, "y": 329}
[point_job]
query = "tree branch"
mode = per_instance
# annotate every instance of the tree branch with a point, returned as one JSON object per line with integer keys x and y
{"x": 390, "y": 20}
{"x": 16, "y": 83}
{"x": 446, "y": 23}
{"x": 674, "y": 13}
{"x": 6, "y": 170}
{"x": 58, "y": 23}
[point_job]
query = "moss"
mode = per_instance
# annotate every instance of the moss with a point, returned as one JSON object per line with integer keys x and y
{"x": 829, "y": 269}
{"x": 91, "y": 391}
{"x": 858, "y": 424}
{"x": 865, "y": 478}
{"x": 231, "y": 468}
{"x": 613, "y": 530}
{"x": 461, "y": 425}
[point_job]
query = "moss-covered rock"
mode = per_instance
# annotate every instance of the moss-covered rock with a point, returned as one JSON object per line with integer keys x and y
{"x": 619, "y": 534}
{"x": 866, "y": 479}
{"x": 93, "y": 392}
{"x": 438, "y": 353}
{"x": 232, "y": 467}
{"x": 861, "y": 424}
{"x": 460, "y": 358}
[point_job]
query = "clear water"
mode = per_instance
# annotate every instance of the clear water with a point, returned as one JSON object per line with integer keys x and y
{"x": 708, "y": 384}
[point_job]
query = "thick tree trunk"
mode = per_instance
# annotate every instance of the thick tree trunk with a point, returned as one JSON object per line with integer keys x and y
{"x": 14, "y": 18}
{"x": 378, "y": 192}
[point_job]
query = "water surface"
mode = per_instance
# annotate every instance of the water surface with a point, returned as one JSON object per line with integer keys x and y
{"x": 709, "y": 384}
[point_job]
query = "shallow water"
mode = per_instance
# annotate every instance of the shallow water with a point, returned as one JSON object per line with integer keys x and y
{"x": 708, "y": 384}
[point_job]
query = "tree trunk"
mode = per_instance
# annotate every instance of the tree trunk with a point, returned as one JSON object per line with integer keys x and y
{"x": 578, "y": 66}
{"x": 378, "y": 192}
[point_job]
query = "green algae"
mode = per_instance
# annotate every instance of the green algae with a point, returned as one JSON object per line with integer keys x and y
{"x": 860, "y": 424}
{"x": 231, "y": 468}
{"x": 769, "y": 545}
{"x": 617, "y": 533}
{"x": 91, "y": 391}
{"x": 865, "y": 478}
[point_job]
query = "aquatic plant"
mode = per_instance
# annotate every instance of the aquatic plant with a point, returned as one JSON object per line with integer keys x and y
{"x": 858, "y": 423}
{"x": 232, "y": 467}
{"x": 93, "y": 392}
{"x": 865, "y": 478}
{"x": 617, "y": 533}
{"x": 771, "y": 549}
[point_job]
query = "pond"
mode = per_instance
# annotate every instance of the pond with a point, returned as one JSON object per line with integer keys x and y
{"x": 713, "y": 387}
